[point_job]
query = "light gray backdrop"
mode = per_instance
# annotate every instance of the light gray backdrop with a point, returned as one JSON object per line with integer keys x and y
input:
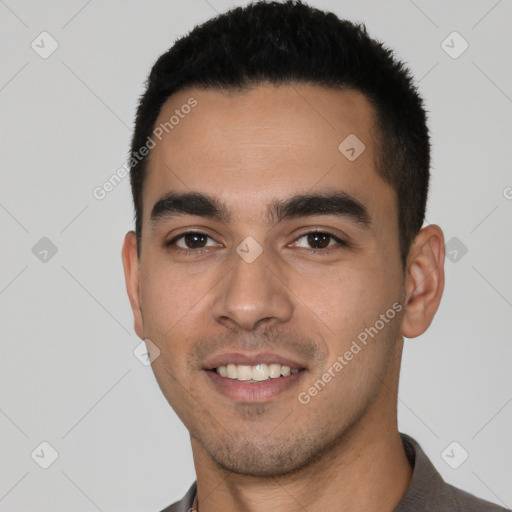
{"x": 68, "y": 375}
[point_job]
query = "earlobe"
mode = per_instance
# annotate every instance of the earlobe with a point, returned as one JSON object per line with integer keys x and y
{"x": 131, "y": 275}
{"x": 424, "y": 281}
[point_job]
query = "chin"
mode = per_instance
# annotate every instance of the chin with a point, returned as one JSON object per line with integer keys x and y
{"x": 266, "y": 457}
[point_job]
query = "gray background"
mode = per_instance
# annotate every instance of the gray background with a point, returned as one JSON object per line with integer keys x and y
{"x": 68, "y": 375}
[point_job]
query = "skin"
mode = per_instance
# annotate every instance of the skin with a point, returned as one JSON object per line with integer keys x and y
{"x": 342, "y": 450}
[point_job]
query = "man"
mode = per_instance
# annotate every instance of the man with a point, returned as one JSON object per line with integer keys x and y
{"x": 279, "y": 174}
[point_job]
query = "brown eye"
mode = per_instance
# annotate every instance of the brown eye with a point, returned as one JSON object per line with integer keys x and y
{"x": 191, "y": 241}
{"x": 318, "y": 240}
{"x": 194, "y": 240}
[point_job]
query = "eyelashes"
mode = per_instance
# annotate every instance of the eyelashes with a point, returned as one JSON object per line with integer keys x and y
{"x": 313, "y": 237}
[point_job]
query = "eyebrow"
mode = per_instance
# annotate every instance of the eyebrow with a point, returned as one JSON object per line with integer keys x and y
{"x": 339, "y": 204}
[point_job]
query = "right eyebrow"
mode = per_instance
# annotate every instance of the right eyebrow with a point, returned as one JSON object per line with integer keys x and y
{"x": 190, "y": 203}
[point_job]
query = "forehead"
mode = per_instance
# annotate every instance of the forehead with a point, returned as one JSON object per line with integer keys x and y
{"x": 265, "y": 141}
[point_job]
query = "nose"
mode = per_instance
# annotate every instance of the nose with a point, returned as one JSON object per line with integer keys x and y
{"x": 252, "y": 294}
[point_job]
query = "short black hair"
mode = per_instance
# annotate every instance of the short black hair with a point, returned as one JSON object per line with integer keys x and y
{"x": 286, "y": 43}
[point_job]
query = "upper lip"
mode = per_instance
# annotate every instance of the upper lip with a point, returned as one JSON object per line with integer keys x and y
{"x": 251, "y": 360}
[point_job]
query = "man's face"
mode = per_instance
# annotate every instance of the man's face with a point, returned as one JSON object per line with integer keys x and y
{"x": 255, "y": 287}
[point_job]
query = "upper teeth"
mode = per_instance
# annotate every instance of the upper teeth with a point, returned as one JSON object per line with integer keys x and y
{"x": 258, "y": 372}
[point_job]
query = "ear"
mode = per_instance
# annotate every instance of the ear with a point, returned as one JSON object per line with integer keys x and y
{"x": 131, "y": 275}
{"x": 424, "y": 282}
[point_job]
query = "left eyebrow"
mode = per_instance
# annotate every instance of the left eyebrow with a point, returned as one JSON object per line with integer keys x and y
{"x": 337, "y": 203}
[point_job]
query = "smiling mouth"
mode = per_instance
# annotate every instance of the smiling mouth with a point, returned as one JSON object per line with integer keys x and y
{"x": 254, "y": 383}
{"x": 257, "y": 373}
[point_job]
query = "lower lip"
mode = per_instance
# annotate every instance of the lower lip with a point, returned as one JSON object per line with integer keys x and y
{"x": 241, "y": 391}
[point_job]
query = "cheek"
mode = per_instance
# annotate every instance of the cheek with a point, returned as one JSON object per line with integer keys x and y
{"x": 345, "y": 305}
{"x": 340, "y": 299}
{"x": 172, "y": 312}
{"x": 170, "y": 296}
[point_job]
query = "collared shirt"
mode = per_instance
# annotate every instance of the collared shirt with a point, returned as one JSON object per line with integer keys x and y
{"x": 427, "y": 491}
